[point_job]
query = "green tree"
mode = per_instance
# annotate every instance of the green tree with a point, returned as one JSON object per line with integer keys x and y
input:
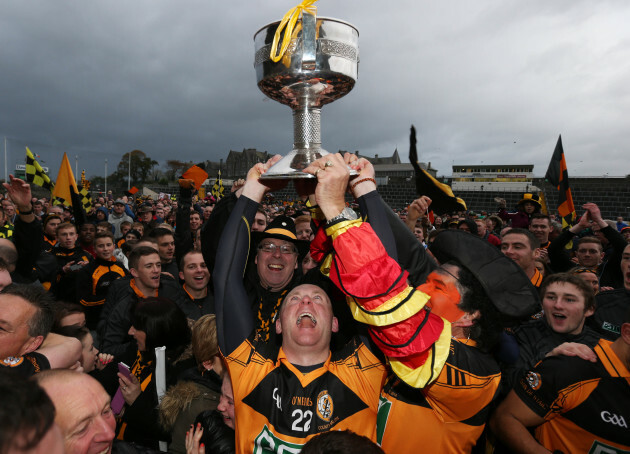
{"x": 141, "y": 166}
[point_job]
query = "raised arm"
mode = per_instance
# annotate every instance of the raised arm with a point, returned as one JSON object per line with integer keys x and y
{"x": 235, "y": 320}
{"x": 62, "y": 352}
{"x": 398, "y": 239}
{"x": 559, "y": 257}
{"x": 234, "y": 315}
{"x": 212, "y": 230}
{"x": 376, "y": 286}
{"x": 183, "y": 235}
{"x": 372, "y": 207}
{"x": 28, "y": 235}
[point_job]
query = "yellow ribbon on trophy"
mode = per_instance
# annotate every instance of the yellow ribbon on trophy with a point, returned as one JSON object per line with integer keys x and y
{"x": 289, "y": 20}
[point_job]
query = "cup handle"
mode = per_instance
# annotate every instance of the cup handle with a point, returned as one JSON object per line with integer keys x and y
{"x": 309, "y": 42}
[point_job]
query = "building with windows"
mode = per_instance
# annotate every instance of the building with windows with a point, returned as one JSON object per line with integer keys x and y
{"x": 500, "y": 177}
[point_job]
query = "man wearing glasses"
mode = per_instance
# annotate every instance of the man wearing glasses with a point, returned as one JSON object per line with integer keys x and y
{"x": 271, "y": 274}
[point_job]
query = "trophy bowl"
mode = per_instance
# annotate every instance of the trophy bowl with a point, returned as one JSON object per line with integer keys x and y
{"x": 320, "y": 66}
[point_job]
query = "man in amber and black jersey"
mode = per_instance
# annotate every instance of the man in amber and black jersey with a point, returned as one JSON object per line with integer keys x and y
{"x": 94, "y": 279}
{"x": 284, "y": 396}
{"x": 521, "y": 245}
{"x": 50, "y": 224}
{"x": 566, "y": 300}
{"x": 575, "y": 405}
{"x": 70, "y": 258}
{"x": 146, "y": 281}
{"x": 26, "y": 344}
{"x": 540, "y": 225}
{"x": 612, "y": 305}
{"x": 446, "y": 382}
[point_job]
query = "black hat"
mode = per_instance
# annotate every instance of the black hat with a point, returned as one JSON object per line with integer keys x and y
{"x": 133, "y": 232}
{"x": 531, "y": 198}
{"x": 472, "y": 225}
{"x": 146, "y": 208}
{"x": 282, "y": 228}
{"x": 505, "y": 283}
{"x": 49, "y": 217}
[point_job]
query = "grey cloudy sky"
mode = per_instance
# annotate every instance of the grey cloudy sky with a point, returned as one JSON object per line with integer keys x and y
{"x": 483, "y": 81}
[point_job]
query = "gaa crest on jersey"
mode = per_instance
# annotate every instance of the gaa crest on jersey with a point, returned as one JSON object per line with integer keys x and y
{"x": 325, "y": 406}
{"x": 533, "y": 380}
{"x": 12, "y": 361}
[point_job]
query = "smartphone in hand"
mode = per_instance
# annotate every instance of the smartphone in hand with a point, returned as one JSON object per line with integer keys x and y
{"x": 118, "y": 402}
{"x": 124, "y": 369}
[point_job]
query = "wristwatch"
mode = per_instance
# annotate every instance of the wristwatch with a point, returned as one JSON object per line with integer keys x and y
{"x": 348, "y": 214}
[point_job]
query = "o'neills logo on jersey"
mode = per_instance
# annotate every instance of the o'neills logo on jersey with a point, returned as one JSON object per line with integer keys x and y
{"x": 325, "y": 406}
{"x": 533, "y": 380}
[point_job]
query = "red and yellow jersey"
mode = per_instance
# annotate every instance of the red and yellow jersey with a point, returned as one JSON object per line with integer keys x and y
{"x": 405, "y": 322}
{"x": 278, "y": 408}
{"x": 586, "y": 406}
{"x": 451, "y": 412}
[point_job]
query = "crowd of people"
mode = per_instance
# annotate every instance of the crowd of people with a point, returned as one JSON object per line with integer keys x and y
{"x": 249, "y": 324}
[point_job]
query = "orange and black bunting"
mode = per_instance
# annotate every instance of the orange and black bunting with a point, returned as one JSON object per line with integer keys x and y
{"x": 558, "y": 176}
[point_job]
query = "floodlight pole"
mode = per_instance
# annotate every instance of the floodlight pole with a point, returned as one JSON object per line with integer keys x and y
{"x": 6, "y": 176}
{"x": 129, "y": 177}
{"x": 106, "y": 177}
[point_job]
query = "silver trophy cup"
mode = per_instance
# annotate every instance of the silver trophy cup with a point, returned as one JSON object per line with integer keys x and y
{"x": 319, "y": 67}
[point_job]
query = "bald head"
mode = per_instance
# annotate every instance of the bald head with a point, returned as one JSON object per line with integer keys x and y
{"x": 8, "y": 253}
{"x": 82, "y": 408}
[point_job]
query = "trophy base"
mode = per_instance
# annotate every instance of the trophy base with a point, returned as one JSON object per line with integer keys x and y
{"x": 292, "y": 165}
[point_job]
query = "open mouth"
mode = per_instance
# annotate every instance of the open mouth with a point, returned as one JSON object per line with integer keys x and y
{"x": 307, "y": 316}
{"x": 558, "y": 316}
{"x": 275, "y": 267}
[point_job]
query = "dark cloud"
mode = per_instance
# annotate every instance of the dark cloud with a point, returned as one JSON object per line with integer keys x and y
{"x": 482, "y": 81}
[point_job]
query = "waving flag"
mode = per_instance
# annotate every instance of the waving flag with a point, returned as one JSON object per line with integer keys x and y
{"x": 65, "y": 184}
{"x": 34, "y": 172}
{"x": 558, "y": 176}
{"x": 217, "y": 187}
{"x": 442, "y": 197}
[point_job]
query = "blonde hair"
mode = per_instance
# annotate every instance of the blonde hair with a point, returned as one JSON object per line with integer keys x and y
{"x": 205, "y": 345}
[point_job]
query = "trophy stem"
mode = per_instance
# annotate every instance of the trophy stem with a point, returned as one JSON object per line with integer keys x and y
{"x": 307, "y": 128}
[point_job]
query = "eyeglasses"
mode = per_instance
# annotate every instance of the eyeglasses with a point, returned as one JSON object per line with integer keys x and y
{"x": 271, "y": 248}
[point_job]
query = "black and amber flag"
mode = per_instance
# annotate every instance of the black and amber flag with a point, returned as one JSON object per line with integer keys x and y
{"x": 558, "y": 176}
{"x": 65, "y": 185}
{"x": 442, "y": 198}
{"x": 35, "y": 174}
{"x": 84, "y": 192}
{"x": 217, "y": 187}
